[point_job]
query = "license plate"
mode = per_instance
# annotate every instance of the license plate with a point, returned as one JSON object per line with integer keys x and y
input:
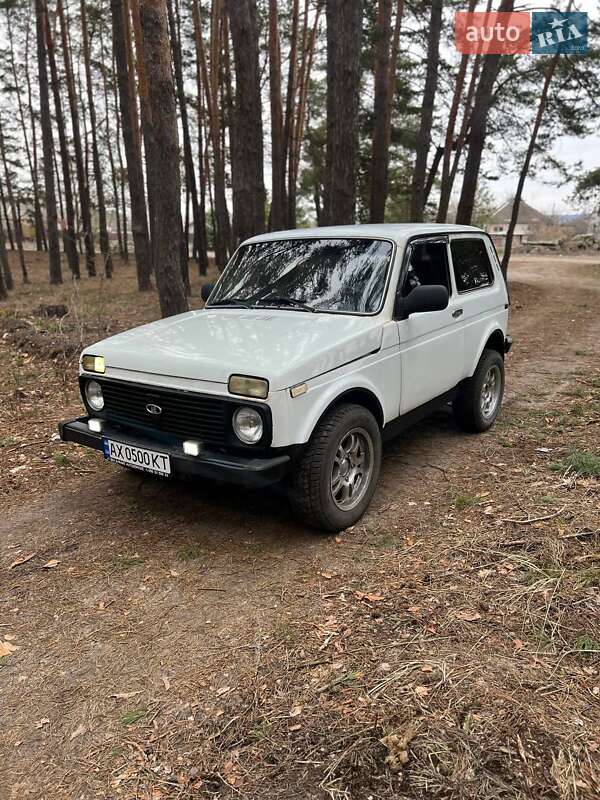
{"x": 131, "y": 455}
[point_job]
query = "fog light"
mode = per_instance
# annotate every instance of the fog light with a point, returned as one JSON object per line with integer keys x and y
{"x": 95, "y": 425}
{"x": 191, "y": 448}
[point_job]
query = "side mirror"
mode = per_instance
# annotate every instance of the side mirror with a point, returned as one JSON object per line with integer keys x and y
{"x": 206, "y": 290}
{"x": 422, "y": 299}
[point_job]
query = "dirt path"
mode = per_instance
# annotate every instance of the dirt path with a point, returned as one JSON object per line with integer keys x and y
{"x": 173, "y": 608}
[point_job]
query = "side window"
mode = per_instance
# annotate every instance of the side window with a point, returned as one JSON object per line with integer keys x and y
{"x": 472, "y": 268}
{"x": 428, "y": 266}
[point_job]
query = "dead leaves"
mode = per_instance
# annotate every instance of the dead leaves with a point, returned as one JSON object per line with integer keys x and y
{"x": 22, "y": 560}
{"x": 465, "y": 615}
{"x": 6, "y": 648}
{"x": 371, "y": 597}
{"x": 52, "y": 564}
{"x": 125, "y": 695}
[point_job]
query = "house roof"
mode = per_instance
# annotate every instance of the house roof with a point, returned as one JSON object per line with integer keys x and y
{"x": 527, "y": 214}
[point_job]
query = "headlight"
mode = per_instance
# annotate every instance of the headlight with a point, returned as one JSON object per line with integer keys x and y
{"x": 248, "y": 425}
{"x": 93, "y": 394}
{"x": 93, "y": 364}
{"x": 249, "y": 387}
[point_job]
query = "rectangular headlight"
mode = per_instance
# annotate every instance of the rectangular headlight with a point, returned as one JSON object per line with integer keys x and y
{"x": 93, "y": 364}
{"x": 249, "y": 387}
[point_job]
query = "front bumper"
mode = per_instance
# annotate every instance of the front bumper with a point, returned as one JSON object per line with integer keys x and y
{"x": 224, "y": 467}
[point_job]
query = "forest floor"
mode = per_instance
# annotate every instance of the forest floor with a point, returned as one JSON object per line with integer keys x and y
{"x": 175, "y": 640}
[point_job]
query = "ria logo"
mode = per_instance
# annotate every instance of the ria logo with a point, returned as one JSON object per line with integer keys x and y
{"x": 559, "y": 33}
{"x": 153, "y": 409}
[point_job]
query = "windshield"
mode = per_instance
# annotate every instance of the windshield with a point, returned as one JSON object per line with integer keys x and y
{"x": 345, "y": 275}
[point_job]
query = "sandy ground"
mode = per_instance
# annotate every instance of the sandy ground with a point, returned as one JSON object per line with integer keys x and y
{"x": 197, "y": 641}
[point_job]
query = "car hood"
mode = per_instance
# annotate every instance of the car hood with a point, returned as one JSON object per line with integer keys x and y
{"x": 284, "y": 346}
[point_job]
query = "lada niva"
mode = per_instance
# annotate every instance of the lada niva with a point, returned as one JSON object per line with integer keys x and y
{"x": 313, "y": 347}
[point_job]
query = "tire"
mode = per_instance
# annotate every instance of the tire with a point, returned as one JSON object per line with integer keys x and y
{"x": 321, "y": 484}
{"x": 479, "y": 402}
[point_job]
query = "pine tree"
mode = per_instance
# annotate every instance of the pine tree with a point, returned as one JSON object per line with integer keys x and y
{"x": 163, "y": 129}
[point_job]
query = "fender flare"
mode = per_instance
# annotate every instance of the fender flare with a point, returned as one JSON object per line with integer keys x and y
{"x": 362, "y": 391}
{"x": 494, "y": 329}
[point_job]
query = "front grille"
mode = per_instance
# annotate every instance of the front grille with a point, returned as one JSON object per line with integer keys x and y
{"x": 184, "y": 414}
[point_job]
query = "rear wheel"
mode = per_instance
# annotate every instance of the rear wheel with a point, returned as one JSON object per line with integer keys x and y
{"x": 479, "y": 402}
{"x": 335, "y": 479}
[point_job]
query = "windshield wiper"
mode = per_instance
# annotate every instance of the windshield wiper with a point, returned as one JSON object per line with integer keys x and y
{"x": 280, "y": 300}
{"x": 232, "y": 302}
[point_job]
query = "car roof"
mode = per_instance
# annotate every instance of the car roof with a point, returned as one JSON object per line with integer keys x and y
{"x": 397, "y": 232}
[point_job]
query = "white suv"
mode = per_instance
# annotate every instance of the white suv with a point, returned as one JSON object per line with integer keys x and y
{"x": 313, "y": 347}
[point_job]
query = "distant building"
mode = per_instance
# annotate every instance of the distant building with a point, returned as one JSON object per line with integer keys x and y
{"x": 530, "y": 223}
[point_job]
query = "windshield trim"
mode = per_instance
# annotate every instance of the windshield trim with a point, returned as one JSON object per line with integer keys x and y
{"x": 384, "y": 294}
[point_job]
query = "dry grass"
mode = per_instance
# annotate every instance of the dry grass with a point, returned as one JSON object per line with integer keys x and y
{"x": 194, "y": 643}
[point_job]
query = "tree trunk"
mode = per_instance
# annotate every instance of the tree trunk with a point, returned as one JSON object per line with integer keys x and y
{"x": 481, "y": 107}
{"x": 526, "y": 163}
{"x": 69, "y": 234}
{"x": 247, "y": 169}
{"x": 16, "y": 82}
{"x": 222, "y": 229}
{"x": 4, "y": 210}
{"x": 6, "y": 279}
{"x": 137, "y": 66}
{"x": 299, "y": 122}
{"x": 290, "y": 100}
{"x": 278, "y": 198}
{"x": 417, "y": 195}
{"x": 109, "y": 148}
{"x": 139, "y": 221}
{"x": 445, "y": 187}
{"x": 13, "y": 208}
{"x": 40, "y": 230}
{"x": 82, "y": 183}
{"x": 161, "y": 97}
{"x": 431, "y": 175}
{"x": 48, "y": 146}
{"x": 104, "y": 242}
{"x": 344, "y": 30}
{"x": 202, "y": 174}
{"x": 379, "y": 154}
{"x": 188, "y": 159}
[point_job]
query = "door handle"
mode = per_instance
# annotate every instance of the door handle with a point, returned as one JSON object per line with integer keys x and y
{"x": 458, "y": 313}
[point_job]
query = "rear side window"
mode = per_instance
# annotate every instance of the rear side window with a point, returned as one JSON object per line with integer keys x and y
{"x": 472, "y": 268}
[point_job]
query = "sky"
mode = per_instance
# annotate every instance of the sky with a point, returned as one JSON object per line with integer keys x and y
{"x": 558, "y": 197}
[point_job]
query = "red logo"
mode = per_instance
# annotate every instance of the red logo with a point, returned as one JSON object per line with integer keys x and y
{"x": 497, "y": 32}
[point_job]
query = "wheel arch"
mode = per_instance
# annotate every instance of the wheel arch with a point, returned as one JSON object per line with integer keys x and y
{"x": 360, "y": 395}
{"x": 493, "y": 339}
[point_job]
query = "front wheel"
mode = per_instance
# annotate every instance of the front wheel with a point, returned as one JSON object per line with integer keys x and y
{"x": 479, "y": 402}
{"x": 334, "y": 481}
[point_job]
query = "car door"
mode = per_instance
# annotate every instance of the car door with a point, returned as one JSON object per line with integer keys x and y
{"x": 431, "y": 343}
{"x": 480, "y": 290}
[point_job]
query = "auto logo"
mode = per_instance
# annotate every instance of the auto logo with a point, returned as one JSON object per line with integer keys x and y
{"x": 153, "y": 409}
